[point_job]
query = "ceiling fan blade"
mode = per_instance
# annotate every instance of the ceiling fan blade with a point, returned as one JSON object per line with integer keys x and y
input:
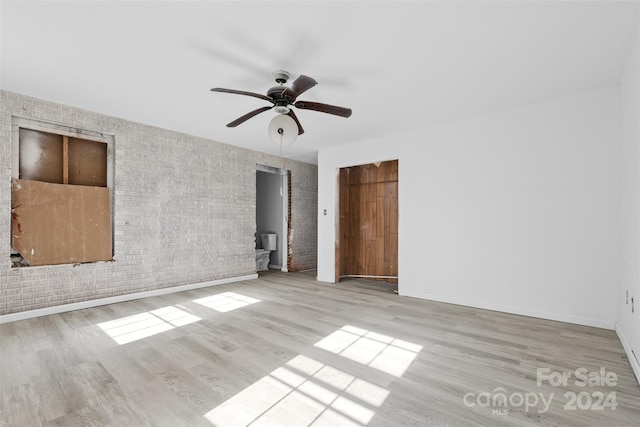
{"x": 324, "y": 108}
{"x": 299, "y": 86}
{"x": 247, "y": 116}
{"x": 295, "y": 118}
{"x": 242, "y": 92}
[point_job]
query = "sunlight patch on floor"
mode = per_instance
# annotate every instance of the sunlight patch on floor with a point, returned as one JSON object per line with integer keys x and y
{"x": 131, "y": 328}
{"x": 304, "y": 392}
{"x": 382, "y": 352}
{"x": 226, "y": 301}
{"x": 308, "y": 392}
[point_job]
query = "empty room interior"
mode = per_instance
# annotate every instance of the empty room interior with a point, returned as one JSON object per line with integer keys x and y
{"x": 305, "y": 213}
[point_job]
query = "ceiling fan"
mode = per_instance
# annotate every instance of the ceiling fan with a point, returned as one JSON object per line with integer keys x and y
{"x": 282, "y": 97}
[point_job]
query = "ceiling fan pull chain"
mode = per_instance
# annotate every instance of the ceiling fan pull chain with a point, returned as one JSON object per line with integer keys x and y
{"x": 281, "y": 132}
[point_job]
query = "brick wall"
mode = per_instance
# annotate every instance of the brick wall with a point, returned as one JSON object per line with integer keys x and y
{"x": 183, "y": 211}
{"x": 304, "y": 217}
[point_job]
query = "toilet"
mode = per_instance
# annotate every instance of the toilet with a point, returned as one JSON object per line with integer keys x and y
{"x": 263, "y": 255}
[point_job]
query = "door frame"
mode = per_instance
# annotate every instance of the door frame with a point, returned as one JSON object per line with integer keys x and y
{"x": 286, "y": 211}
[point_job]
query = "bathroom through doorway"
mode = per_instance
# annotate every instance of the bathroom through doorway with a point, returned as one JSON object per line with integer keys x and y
{"x": 272, "y": 217}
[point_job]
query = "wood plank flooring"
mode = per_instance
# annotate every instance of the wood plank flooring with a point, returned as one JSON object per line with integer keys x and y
{"x": 285, "y": 350}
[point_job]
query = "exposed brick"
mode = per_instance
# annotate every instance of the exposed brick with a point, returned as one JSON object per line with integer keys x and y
{"x": 183, "y": 211}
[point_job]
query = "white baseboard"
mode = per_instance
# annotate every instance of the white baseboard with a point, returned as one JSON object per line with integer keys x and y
{"x": 568, "y": 318}
{"x": 627, "y": 349}
{"x": 6, "y": 318}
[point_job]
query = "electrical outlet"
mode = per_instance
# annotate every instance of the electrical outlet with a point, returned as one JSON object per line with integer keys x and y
{"x": 632, "y": 307}
{"x": 627, "y": 297}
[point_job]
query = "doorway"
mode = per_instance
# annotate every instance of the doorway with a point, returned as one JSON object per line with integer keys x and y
{"x": 367, "y": 244}
{"x": 272, "y": 212}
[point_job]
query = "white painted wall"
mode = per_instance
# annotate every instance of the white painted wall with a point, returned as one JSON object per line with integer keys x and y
{"x": 628, "y": 323}
{"x": 514, "y": 211}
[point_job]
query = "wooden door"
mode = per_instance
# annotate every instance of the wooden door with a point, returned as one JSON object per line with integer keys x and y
{"x": 368, "y": 221}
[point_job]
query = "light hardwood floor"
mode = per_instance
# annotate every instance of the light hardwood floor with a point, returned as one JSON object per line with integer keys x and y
{"x": 285, "y": 350}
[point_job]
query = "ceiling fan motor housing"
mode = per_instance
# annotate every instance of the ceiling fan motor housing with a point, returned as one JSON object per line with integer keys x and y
{"x": 281, "y": 100}
{"x": 277, "y": 93}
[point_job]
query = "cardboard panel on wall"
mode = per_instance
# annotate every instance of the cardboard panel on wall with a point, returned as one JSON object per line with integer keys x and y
{"x": 87, "y": 162}
{"x": 60, "y": 224}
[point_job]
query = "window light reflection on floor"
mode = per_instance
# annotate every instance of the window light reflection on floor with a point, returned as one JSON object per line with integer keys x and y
{"x": 142, "y": 325}
{"x": 387, "y": 354}
{"x": 304, "y": 392}
{"x": 226, "y": 301}
{"x": 308, "y": 392}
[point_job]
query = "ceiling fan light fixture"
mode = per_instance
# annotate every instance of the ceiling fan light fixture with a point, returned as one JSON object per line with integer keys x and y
{"x": 283, "y": 130}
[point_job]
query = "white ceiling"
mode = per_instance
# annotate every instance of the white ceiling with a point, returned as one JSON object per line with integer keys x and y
{"x": 399, "y": 65}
